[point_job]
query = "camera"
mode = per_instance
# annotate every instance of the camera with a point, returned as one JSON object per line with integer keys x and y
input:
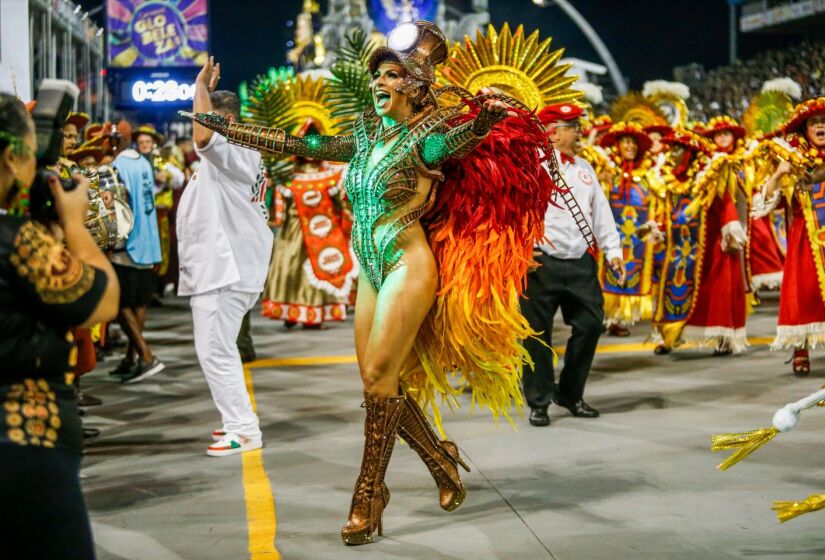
{"x": 55, "y": 100}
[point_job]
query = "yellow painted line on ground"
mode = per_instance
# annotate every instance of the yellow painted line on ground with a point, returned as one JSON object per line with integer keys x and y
{"x": 623, "y": 348}
{"x": 303, "y": 361}
{"x": 260, "y": 503}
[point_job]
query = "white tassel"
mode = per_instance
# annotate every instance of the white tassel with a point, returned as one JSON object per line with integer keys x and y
{"x": 787, "y": 417}
{"x": 663, "y": 87}
{"x": 784, "y": 85}
{"x": 592, "y": 92}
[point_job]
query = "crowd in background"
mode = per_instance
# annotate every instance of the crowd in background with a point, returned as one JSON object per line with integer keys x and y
{"x": 729, "y": 89}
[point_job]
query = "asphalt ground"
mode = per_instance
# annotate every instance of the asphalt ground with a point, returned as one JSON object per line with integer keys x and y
{"x": 637, "y": 483}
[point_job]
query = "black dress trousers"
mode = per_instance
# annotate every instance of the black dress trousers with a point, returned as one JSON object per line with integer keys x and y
{"x": 573, "y": 286}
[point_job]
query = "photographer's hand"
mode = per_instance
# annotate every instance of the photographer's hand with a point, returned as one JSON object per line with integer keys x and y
{"x": 71, "y": 209}
{"x": 71, "y": 205}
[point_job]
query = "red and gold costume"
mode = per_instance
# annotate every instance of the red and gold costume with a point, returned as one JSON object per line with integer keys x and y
{"x": 698, "y": 275}
{"x": 720, "y": 310}
{"x": 628, "y": 192}
{"x": 313, "y": 272}
{"x": 766, "y": 113}
{"x": 801, "y": 322}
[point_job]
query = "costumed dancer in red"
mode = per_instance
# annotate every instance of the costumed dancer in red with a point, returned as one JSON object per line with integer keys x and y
{"x": 765, "y": 259}
{"x": 312, "y": 272}
{"x": 702, "y": 294}
{"x": 789, "y": 173}
{"x": 720, "y": 309}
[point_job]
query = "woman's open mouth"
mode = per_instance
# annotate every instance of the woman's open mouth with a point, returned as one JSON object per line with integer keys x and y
{"x": 382, "y": 99}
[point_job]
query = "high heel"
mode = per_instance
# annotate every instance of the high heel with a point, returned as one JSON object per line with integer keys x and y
{"x": 441, "y": 457}
{"x": 801, "y": 362}
{"x": 371, "y": 495}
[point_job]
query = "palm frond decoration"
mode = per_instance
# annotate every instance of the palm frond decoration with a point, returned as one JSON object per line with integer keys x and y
{"x": 348, "y": 91}
{"x": 269, "y": 101}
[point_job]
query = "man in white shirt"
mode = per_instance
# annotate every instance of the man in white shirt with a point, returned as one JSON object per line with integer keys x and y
{"x": 224, "y": 245}
{"x": 567, "y": 277}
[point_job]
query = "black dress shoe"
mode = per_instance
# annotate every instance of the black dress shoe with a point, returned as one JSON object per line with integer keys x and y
{"x": 661, "y": 350}
{"x": 538, "y": 417}
{"x": 579, "y": 409}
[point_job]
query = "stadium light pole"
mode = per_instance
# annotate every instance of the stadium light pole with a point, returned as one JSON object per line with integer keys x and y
{"x": 596, "y": 41}
{"x": 733, "y": 32}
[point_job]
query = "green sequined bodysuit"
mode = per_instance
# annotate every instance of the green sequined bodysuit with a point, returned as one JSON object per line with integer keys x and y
{"x": 377, "y": 192}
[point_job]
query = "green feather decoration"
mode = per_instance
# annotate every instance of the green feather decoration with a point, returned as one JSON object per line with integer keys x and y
{"x": 348, "y": 93}
{"x": 268, "y": 103}
{"x": 767, "y": 112}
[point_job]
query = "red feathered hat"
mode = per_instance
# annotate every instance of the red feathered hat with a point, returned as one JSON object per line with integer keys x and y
{"x": 92, "y": 148}
{"x": 663, "y": 129}
{"x": 559, "y": 112}
{"x": 721, "y": 124}
{"x": 601, "y": 123}
{"x": 78, "y": 119}
{"x": 627, "y": 129}
{"x": 92, "y": 131}
{"x": 804, "y": 111}
{"x": 688, "y": 139}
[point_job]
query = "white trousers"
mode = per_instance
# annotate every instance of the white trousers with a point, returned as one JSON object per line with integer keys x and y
{"x": 217, "y": 320}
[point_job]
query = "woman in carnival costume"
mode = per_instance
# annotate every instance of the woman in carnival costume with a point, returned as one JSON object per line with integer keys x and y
{"x": 447, "y": 209}
{"x": 626, "y": 170}
{"x": 719, "y": 311}
{"x": 677, "y": 287}
{"x": 766, "y": 113}
{"x": 628, "y": 192}
{"x": 796, "y": 155}
{"x": 702, "y": 292}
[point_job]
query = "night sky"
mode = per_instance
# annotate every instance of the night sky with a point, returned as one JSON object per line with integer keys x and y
{"x": 647, "y": 37}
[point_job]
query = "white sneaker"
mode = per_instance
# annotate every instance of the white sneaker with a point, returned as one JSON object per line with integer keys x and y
{"x": 231, "y": 444}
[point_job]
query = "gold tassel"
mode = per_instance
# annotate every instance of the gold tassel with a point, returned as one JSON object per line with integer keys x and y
{"x": 788, "y": 510}
{"x": 745, "y": 443}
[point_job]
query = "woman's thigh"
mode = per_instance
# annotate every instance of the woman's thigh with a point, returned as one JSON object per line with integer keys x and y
{"x": 402, "y": 305}
{"x": 364, "y": 311}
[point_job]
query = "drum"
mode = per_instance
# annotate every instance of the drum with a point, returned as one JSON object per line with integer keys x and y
{"x": 122, "y": 219}
{"x": 109, "y": 218}
{"x": 95, "y": 215}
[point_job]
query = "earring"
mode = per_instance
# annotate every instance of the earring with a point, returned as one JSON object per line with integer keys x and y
{"x": 18, "y": 200}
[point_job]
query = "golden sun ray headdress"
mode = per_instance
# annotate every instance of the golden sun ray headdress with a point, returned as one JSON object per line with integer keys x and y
{"x": 521, "y": 66}
{"x": 310, "y": 104}
{"x": 635, "y": 108}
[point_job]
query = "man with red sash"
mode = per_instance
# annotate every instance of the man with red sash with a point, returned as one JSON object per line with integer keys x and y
{"x": 789, "y": 173}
